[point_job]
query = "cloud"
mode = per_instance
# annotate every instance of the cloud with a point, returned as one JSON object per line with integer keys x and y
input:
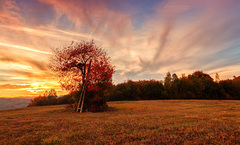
{"x": 23, "y": 48}
{"x": 44, "y": 75}
{"x": 10, "y": 86}
{"x": 95, "y": 17}
{"x": 36, "y": 13}
{"x": 38, "y": 64}
{"x": 184, "y": 33}
{"x": 4, "y": 58}
{"x": 9, "y": 12}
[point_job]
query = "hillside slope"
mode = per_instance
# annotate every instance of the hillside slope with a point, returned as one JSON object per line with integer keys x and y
{"x": 136, "y": 122}
{"x": 12, "y": 103}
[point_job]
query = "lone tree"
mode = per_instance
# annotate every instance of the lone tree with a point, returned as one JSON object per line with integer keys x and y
{"x": 82, "y": 67}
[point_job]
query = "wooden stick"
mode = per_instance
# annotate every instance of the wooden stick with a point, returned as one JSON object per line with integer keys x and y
{"x": 85, "y": 87}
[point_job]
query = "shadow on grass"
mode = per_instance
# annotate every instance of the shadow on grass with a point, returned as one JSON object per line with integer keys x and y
{"x": 112, "y": 109}
{"x": 72, "y": 110}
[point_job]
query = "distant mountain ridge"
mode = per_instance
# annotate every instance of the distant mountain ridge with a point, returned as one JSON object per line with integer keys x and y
{"x": 13, "y": 103}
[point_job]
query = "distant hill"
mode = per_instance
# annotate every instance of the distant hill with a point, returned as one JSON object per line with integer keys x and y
{"x": 12, "y": 103}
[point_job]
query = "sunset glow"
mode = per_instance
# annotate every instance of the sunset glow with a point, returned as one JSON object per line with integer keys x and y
{"x": 144, "y": 38}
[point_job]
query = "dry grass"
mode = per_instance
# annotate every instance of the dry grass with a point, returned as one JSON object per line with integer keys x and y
{"x": 136, "y": 122}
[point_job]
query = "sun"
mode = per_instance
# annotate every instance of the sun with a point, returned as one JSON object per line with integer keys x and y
{"x": 36, "y": 85}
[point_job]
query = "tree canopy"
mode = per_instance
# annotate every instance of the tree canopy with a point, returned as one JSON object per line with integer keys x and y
{"x": 79, "y": 61}
{"x": 82, "y": 66}
{"x": 197, "y": 85}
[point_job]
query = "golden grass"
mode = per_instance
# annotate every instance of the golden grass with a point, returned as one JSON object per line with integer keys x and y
{"x": 135, "y": 122}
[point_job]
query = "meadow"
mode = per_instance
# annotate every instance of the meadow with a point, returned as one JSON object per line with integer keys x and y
{"x": 126, "y": 122}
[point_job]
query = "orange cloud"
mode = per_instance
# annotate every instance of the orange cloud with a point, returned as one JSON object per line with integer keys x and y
{"x": 9, "y": 86}
{"x": 44, "y": 75}
{"x": 9, "y": 12}
{"x": 23, "y": 48}
{"x": 38, "y": 64}
{"x": 95, "y": 17}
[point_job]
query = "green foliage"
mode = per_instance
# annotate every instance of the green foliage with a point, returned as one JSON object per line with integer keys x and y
{"x": 232, "y": 88}
{"x": 125, "y": 91}
{"x": 153, "y": 90}
{"x": 197, "y": 85}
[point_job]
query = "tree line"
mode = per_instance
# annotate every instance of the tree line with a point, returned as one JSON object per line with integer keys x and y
{"x": 197, "y": 85}
{"x": 50, "y": 98}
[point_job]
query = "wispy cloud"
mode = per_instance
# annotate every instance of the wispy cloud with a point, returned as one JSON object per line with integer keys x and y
{"x": 9, "y": 12}
{"x": 9, "y": 86}
{"x": 95, "y": 18}
{"x": 23, "y": 48}
{"x": 190, "y": 32}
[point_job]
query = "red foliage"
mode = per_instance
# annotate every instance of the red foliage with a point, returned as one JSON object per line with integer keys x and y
{"x": 79, "y": 62}
{"x": 200, "y": 74}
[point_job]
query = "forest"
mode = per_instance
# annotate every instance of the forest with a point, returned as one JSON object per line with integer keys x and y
{"x": 197, "y": 85}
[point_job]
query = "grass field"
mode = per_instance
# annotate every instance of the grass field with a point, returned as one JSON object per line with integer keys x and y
{"x": 136, "y": 122}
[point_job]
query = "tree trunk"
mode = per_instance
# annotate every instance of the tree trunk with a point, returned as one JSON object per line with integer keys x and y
{"x": 79, "y": 105}
{"x": 83, "y": 96}
{"x": 81, "y": 100}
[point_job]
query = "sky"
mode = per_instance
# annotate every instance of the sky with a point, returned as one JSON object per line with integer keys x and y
{"x": 144, "y": 38}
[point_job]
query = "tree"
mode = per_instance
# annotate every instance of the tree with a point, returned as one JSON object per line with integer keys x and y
{"x": 200, "y": 74}
{"x": 51, "y": 96}
{"x": 153, "y": 90}
{"x": 175, "y": 86}
{"x": 48, "y": 98}
{"x": 82, "y": 67}
{"x": 217, "y": 80}
{"x": 167, "y": 85}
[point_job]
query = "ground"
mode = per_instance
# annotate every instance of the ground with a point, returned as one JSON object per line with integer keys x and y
{"x": 127, "y": 122}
